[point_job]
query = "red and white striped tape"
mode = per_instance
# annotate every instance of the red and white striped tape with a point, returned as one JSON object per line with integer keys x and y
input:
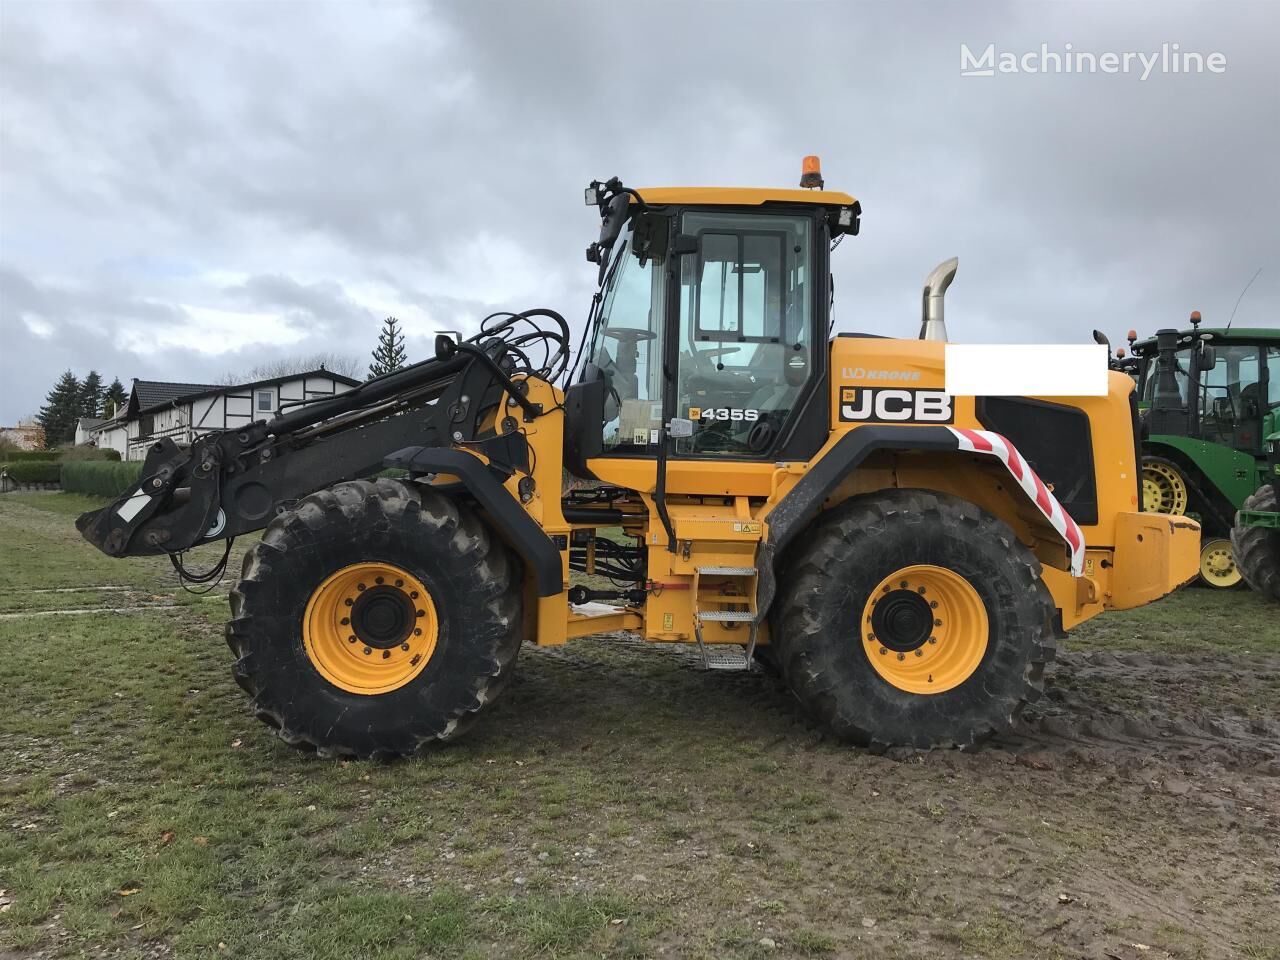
{"x": 994, "y": 445}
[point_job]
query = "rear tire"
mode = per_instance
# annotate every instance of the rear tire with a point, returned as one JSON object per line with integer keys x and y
{"x": 875, "y": 689}
{"x": 1257, "y": 549}
{"x": 1164, "y": 487}
{"x": 371, "y": 699}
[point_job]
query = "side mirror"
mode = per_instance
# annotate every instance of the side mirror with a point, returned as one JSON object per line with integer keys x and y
{"x": 1206, "y": 357}
{"x": 615, "y": 215}
{"x": 446, "y": 346}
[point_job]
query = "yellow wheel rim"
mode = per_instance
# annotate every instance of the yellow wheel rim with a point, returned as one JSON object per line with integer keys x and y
{"x": 370, "y": 628}
{"x": 1217, "y": 565}
{"x": 1163, "y": 489}
{"x": 925, "y": 629}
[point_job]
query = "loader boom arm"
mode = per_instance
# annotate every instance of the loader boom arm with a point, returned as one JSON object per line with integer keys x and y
{"x": 236, "y": 481}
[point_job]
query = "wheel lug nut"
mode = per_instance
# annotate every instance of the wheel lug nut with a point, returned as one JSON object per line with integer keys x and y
{"x": 417, "y": 633}
{"x": 903, "y": 584}
{"x": 883, "y": 651}
{"x": 351, "y": 639}
{"x": 933, "y": 604}
{"x": 920, "y": 590}
{"x": 919, "y": 652}
{"x": 937, "y": 623}
{"x": 368, "y": 650}
{"x": 404, "y": 646}
{"x": 422, "y": 613}
{"x": 360, "y": 586}
{"x": 933, "y": 639}
{"x": 347, "y": 601}
{"x": 378, "y": 580}
{"x": 345, "y": 621}
{"x": 386, "y": 654}
{"x": 902, "y": 656}
{"x": 413, "y": 594}
{"x": 399, "y": 583}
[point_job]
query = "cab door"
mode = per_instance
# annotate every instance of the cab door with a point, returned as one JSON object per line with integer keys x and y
{"x": 746, "y": 345}
{"x": 1233, "y": 397}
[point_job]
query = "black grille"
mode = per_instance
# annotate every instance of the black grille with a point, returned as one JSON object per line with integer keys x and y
{"x": 1058, "y": 444}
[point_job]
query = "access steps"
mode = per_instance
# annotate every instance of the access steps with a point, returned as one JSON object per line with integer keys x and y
{"x": 726, "y": 608}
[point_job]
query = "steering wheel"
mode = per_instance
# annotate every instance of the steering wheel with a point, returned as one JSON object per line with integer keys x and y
{"x": 629, "y": 340}
{"x": 703, "y": 358}
{"x": 629, "y": 334}
{"x": 716, "y": 351}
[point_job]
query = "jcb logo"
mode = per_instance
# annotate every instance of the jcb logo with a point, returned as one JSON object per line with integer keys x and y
{"x": 875, "y": 405}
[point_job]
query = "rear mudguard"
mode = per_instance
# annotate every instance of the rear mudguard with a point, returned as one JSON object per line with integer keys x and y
{"x": 794, "y": 512}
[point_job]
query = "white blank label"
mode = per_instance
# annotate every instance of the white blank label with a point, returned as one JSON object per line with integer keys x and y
{"x": 1026, "y": 369}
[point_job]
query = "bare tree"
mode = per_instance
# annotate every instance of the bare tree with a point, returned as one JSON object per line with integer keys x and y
{"x": 339, "y": 363}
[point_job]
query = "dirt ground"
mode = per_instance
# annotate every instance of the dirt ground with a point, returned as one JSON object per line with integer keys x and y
{"x": 619, "y": 801}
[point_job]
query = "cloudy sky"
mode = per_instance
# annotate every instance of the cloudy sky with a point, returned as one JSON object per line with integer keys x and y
{"x": 188, "y": 189}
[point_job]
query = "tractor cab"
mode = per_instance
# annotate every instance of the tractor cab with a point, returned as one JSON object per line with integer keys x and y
{"x": 711, "y": 322}
{"x": 1214, "y": 385}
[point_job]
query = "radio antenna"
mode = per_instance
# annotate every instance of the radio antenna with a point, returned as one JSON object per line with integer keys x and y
{"x": 1241, "y": 297}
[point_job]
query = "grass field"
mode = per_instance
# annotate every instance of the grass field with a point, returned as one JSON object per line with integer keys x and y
{"x": 618, "y": 801}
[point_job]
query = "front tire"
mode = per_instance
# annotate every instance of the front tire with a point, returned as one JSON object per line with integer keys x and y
{"x": 913, "y": 618}
{"x": 1257, "y": 549}
{"x": 1217, "y": 564}
{"x": 374, "y": 619}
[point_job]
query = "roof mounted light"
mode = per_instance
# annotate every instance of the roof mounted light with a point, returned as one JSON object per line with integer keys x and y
{"x": 811, "y": 173}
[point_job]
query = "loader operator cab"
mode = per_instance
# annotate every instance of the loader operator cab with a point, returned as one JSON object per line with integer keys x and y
{"x": 713, "y": 309}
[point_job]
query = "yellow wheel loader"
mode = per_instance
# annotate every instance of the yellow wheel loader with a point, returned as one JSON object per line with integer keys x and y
{"x": 748, "y": 484}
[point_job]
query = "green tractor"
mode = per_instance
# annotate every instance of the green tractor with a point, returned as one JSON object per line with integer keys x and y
{"x": 1210, "y": 401}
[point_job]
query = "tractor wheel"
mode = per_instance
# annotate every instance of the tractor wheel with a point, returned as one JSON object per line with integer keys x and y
{"x": 1257, "y": 549}
{"x": 913, "y": 618}
{"x": 1217, "y": 566}
{"x": 374, "y": 619}
{"x": 1164, "y": 488}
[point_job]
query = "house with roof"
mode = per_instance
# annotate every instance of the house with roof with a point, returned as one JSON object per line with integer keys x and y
{"x": 184, "y": 411}
{"x": 85, "y": 427}
{"x": 27, "y": 435}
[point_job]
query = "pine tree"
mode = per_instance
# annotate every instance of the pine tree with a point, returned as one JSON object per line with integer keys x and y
{"x": 91, "y": 394}
{"x": 390, "y": 353}
{"x": 59, "y": 414}
{"x": 114, "y": 399}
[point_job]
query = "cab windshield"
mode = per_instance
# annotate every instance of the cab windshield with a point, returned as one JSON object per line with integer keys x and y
{"x": 627, "y": 348}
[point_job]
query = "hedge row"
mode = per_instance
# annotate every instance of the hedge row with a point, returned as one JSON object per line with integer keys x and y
{"x": 33, "y": 471}
{"x": 65, "y": 453}
{"x": 18, "y": 456}
{"x": 100, "y": 478}
{"x": 87, "y": 452}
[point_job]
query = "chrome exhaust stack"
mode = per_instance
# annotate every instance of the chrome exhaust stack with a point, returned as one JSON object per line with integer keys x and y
{"x": 932, "y": 326}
